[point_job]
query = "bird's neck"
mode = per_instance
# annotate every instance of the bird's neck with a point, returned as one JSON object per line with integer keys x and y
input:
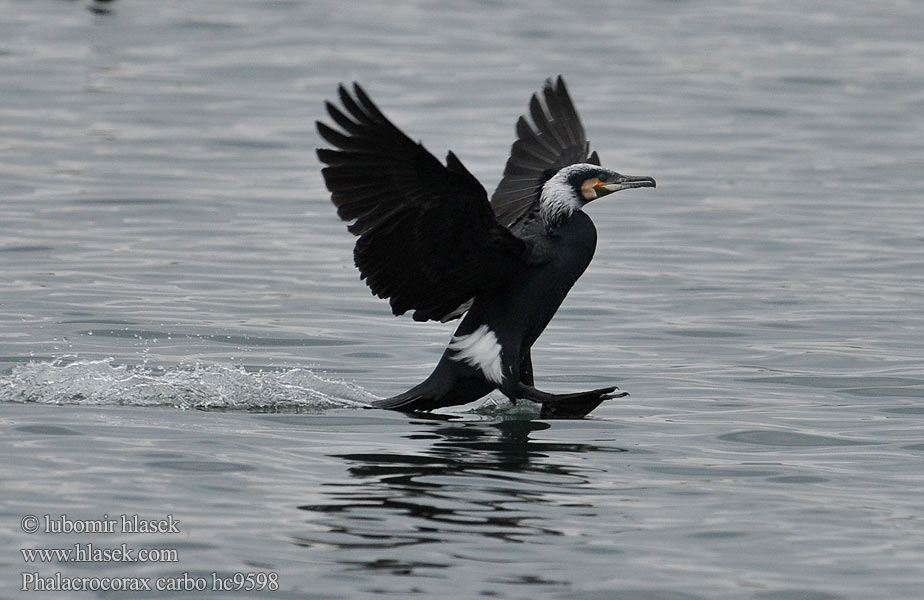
{"x": 557, "y": 202}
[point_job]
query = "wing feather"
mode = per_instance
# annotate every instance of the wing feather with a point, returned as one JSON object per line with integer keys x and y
{"x": 428, "y": 239}
{"x": 554, "y": 140}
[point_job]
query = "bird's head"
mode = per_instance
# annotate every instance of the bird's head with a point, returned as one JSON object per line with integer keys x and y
{"x": 574, "y": 186}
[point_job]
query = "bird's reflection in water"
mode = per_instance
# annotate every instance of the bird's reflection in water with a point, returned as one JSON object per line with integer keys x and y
{"x": 476, "y": 480}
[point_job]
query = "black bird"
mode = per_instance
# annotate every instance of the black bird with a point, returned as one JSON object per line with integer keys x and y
{"x": 430, "y": 241}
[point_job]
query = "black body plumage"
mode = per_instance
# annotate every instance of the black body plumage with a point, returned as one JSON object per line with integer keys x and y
{"x": 430, "y": 241}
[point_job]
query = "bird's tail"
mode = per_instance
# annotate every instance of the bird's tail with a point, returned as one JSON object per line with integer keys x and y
{"x": 410, "y": 401}
{"x": 436, "y": 392}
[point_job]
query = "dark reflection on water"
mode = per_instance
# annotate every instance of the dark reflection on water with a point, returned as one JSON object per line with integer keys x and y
{"x": 474, "y": 479}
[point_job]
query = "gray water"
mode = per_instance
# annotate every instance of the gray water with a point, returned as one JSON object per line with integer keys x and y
{"x": 166, "y": 245}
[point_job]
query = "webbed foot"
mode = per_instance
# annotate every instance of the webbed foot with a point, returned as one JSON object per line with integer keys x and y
{"x": 576, "y": 405}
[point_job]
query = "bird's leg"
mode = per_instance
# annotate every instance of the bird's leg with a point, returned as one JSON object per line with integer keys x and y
{"x": 564, "y": 406}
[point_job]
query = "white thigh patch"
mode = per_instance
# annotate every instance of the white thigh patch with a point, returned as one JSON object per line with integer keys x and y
{"x": 479, "y": 349}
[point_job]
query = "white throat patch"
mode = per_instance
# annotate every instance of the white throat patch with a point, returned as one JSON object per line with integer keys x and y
{"x": 479, "y": 349}
{"x": 559, "y": 198}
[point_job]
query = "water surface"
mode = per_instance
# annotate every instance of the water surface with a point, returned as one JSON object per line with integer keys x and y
{"x": 182, "y": 331}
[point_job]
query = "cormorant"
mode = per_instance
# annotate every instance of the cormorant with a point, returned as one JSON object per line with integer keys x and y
{"x": 430, "y": 241}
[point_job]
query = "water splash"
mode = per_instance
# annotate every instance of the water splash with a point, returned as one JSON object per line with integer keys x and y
{"x": 201, "y": 386}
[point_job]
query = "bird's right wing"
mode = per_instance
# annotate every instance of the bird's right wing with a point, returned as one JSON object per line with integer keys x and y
{"x": 428, "y": 240}
{"x": 554, "y": 140}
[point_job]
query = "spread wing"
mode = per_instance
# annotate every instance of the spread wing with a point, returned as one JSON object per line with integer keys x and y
{"x": 554, "y": 139}
{"x": 428, "y": 240}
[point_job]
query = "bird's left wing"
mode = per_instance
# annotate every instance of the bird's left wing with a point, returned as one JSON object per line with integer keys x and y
{"x": 428, "y": 239}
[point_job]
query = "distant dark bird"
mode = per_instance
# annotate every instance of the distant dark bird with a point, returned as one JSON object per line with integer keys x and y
{"x": 430, "y": 241}
{"x": 100, "y": 7}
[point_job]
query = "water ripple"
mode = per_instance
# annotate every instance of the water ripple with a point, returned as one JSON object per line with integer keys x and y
{"x": 787, "y": 439}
